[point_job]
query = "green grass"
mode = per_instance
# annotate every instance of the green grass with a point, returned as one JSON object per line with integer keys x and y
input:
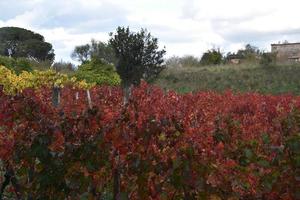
{"x": 238, "y": 78}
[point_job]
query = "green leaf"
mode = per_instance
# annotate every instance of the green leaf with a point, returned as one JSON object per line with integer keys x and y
{"x": 264, "y": 163}
{"x": 84, "y": 196}
{"x": 294, "y": 144}
{"x": 269, "y": 180}
{"x": 266, "y": 138}
{"x": 248, "y": 153}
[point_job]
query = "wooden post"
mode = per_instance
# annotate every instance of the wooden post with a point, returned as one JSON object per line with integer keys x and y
{"x": 55, "y": 96}
{"x": 127, "y": 93}
{"x": 77, "y": 95}
{"x": 89, "y": 99}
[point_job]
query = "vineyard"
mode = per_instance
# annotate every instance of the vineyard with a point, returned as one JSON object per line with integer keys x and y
{"x": 160, "y": 145}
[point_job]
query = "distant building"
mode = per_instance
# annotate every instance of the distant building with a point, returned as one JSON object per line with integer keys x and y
{"x": 287, "y": 52}
{"x": 235, "y": 61}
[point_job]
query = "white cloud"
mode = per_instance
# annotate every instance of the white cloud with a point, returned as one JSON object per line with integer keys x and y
{"x": 183, "y": 26}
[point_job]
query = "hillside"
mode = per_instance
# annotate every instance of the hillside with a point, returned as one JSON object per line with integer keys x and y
{"x": 242, "y": 78}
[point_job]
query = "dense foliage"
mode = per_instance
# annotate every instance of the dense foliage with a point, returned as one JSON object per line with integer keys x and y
{"x": 249, "y": 53}
{"x": 18, "y": 42}
{"x": 17, "y": 65}
{"x": 13, "y": 83}
{"x": 212, "y": 57}
{"x": 99, "y": 72}
{"x": 138, "y": 55}
{"x": 159, "y": 146}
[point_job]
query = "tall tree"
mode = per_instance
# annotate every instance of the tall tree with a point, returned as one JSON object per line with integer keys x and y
{"x": 18, "y": 42}
{"x": 81, "y": 53}
{"x": 138, "y": 56}
{"x": 94, "y": 50}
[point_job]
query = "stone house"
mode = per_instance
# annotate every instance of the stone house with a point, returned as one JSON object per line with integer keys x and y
{"x": 287, "y": 52}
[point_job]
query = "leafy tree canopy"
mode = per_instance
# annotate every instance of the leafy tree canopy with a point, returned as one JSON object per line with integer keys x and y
{"x": 18, "y": 42}
{"x": 138, "y": 55}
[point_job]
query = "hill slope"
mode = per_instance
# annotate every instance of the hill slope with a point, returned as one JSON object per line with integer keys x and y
{"x": 238, "y": 78}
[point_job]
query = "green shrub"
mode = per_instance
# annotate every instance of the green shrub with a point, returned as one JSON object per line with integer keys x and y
{"x": 17, "y": 65}
{"x": 99, "y": 72}
{"x": 212, "y": 57}
{"x": 22, "y": 64}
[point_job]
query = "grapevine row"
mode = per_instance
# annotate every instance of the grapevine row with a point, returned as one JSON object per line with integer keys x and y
{"x": 159, "y": 146}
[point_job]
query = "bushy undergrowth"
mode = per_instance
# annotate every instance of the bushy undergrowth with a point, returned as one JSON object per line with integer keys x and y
{"x": 17, "y": 65}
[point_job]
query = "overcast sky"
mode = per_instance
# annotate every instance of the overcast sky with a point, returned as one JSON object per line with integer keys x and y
{"x": 184, "y": 27}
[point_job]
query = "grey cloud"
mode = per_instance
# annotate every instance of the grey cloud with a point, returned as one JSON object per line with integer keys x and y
{"x": 68, "y": 14}
{"x": 170, "y": 35}
{"x": 258, "y": 36}
{"x": 11, "y": 8}
{"x": 104, "y": 18}
{"x": 189, "y": 11}
{"x": 262, "y": 40}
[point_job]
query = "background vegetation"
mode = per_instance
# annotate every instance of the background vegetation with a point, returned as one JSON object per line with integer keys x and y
{"x": 245, "y": 77}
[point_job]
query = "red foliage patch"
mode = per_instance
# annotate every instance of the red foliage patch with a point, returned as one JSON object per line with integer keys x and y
{"x": 164, "y": 145}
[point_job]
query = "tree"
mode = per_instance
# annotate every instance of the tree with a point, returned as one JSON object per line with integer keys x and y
{"x": 212, "y": 57}
{"x": 81, "y": 53}
{"x": 137, "y": 55}
{"x": 94, "y": 50}
{"x": 104, "y": 51}
{"x": 249, "y": 52}
{"x": 18, "y": 42}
